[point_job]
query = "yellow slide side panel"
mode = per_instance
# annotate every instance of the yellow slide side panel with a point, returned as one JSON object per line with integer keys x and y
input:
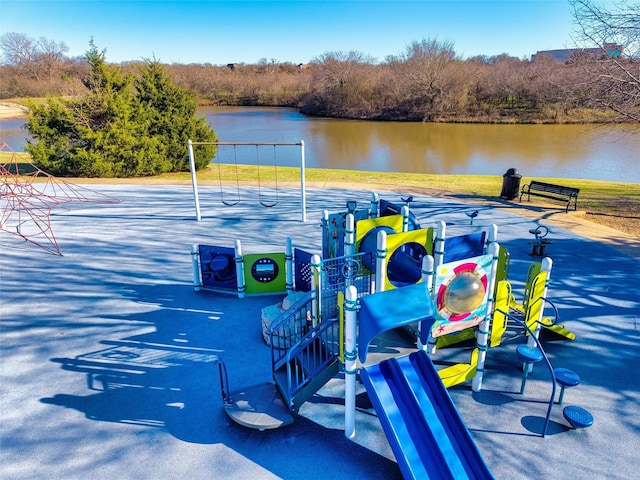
{"x": 504, "y": 259}
{"x": 558, "y": 329}
{"x": 500, "y": 320}
{"x": 532, "y": 273}
{"x": 460, "y": 373}
{"x": 534, "y": 303}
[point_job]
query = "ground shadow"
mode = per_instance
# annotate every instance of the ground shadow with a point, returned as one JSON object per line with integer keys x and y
{"x": 535, "y": 424}
{"x": 168, "y": 379}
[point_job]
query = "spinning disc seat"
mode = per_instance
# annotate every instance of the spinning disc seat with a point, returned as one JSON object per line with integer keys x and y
{"x": 530, "y": 355}
{"x": 566, "y": 378}
{"x": 578, "y": 417}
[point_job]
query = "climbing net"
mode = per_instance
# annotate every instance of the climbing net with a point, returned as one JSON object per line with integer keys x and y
{"x": 28, "y": 194}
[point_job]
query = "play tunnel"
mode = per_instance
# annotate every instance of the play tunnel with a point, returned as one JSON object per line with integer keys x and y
{"x": 405, "y": 250}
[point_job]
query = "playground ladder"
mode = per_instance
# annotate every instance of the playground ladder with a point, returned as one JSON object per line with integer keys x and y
{"x": 312, "y": 358}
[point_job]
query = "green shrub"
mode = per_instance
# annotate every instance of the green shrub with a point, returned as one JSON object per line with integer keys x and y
{"x": 123, "y": 126}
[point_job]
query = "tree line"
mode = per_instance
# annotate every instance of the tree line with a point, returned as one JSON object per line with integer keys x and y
{"x": 427, "y": 82}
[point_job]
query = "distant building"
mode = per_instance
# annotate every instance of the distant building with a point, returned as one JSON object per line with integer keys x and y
{"x": 609, "y": 50}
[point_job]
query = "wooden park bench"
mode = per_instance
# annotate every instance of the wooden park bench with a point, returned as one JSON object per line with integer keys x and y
{"x": 551, "y": 191}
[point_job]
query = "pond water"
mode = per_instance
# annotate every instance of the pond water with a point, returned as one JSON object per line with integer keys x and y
{"x": 609, "y": 153}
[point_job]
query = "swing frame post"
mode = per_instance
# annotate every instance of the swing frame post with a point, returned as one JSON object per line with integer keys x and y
{"x": 303, "y": 187}
{"x": 194, "y": 180}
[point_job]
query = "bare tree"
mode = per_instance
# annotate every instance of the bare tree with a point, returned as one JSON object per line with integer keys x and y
{"x": 18, "y": 50}
{"x": 615, "y": 75}
{"x": 426, "y": 71}
{"x": 51, "y": 55}
{"x": 342, "y": 84}
{"x": 37, "y": 58}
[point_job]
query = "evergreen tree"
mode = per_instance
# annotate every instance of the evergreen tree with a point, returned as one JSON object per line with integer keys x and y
{"x": 122, "y": 127}
{"x": 170, "y": 112}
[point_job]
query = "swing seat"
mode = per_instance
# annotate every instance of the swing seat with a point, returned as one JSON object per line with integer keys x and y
{"x": 261, "y": 196}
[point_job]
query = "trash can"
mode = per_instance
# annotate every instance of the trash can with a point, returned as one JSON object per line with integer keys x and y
{"x": 510, "y": 184}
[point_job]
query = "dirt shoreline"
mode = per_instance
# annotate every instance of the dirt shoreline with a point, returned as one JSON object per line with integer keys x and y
{"x": 9, "y": 110}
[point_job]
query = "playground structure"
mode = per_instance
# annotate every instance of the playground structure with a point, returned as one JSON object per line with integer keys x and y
{"x": 531, "y": 309}
{"x": 410, "y": 277}
{"x": 401, "y": 261}
{"x": 28, "y": 194}
{"x": 233, "y": 198}
{"x": 226, "y": 270}
{"x": 423, "y": 426}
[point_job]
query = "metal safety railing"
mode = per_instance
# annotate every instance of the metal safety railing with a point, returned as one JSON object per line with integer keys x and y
{"x": 336, "y": 274}
{"x": 301, "y": 353}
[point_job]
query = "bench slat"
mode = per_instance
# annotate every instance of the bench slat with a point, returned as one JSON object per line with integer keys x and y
{"x": 548, "y": 187}
{"x": 536, "y": 188}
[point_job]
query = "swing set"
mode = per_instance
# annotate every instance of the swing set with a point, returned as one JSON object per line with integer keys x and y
{"x": 232, "y": 197}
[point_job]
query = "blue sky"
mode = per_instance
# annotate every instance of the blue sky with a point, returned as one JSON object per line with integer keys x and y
{"x": 292, "y": 31}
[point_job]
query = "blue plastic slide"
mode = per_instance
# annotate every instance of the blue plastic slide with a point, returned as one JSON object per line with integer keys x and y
{"x": 423, "y": 426}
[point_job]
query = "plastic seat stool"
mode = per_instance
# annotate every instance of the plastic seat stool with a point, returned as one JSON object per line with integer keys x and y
{"x": 578, "y": 417}
{"x": 529, "y": 355}
{"x": 566, "y": 378}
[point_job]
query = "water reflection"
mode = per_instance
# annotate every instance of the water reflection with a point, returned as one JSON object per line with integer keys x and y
{"x": 564, "y": 151}
{"x": 451, "y": 149}
{"x": 574, "y": 151}
{"x": 13, "y": 133}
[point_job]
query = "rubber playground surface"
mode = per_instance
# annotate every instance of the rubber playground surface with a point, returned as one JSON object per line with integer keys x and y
{"x": 119, "y": 305}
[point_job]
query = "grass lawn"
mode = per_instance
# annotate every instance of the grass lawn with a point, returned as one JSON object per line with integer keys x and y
{"x": 615, "y": 204}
